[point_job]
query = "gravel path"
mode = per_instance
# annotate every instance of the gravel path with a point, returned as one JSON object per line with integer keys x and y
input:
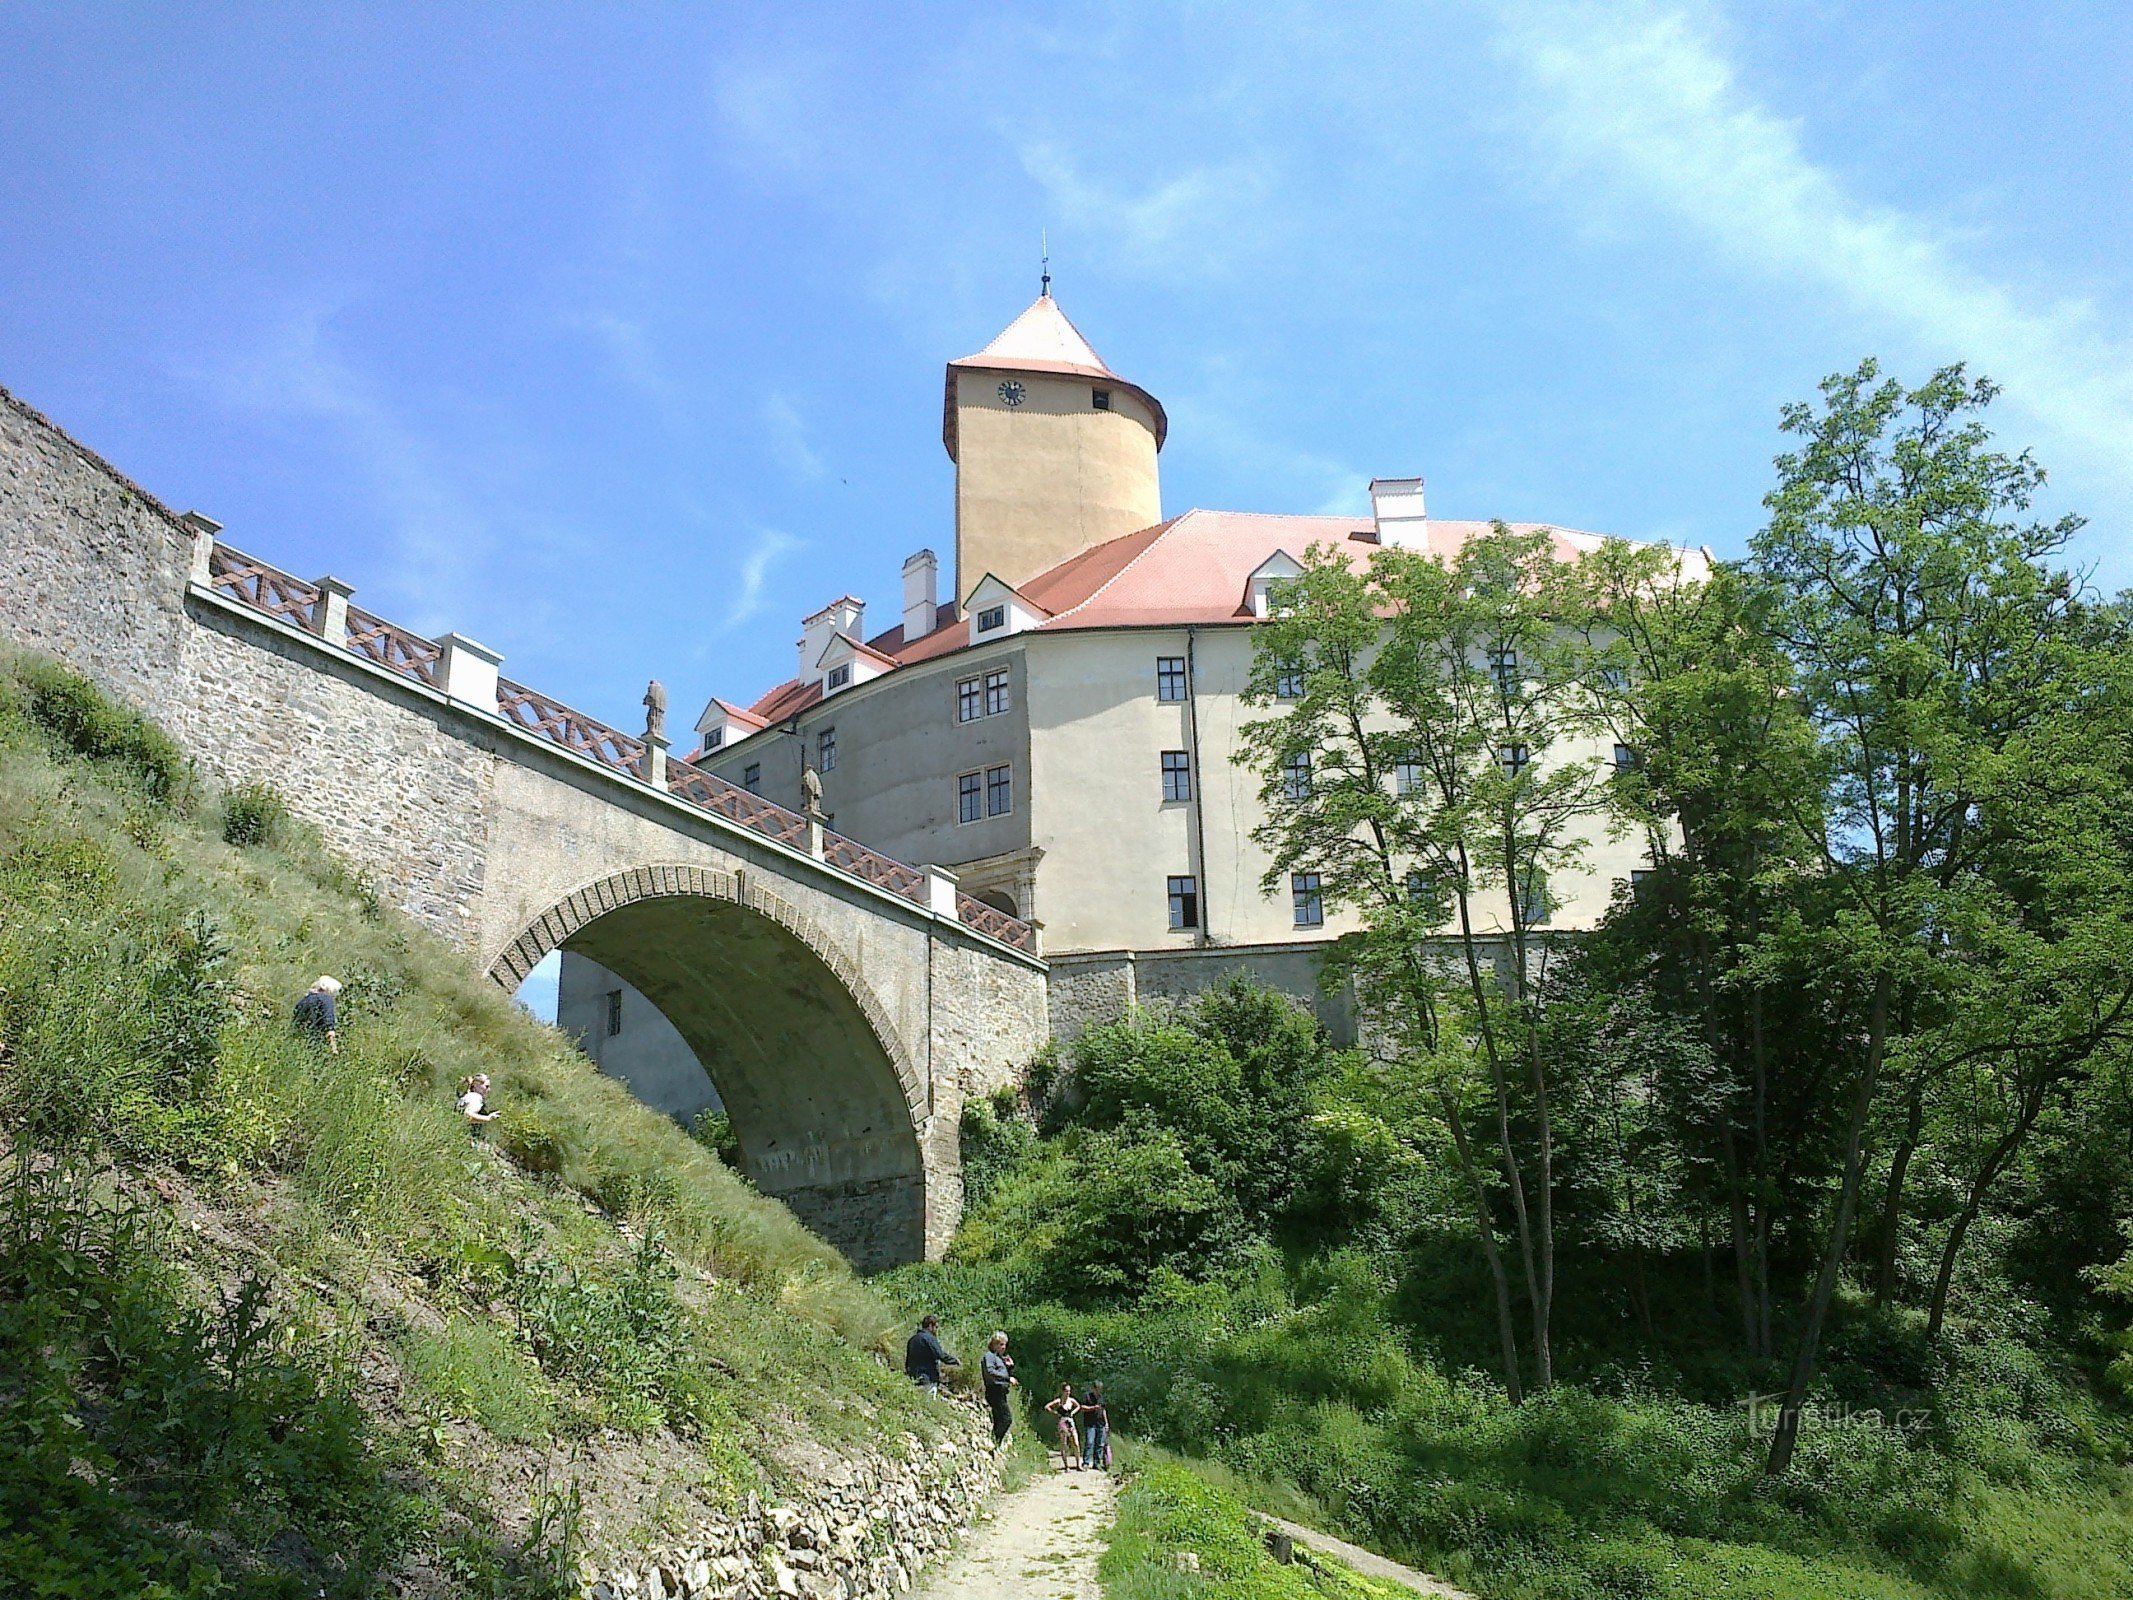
{"x": 1040, "y": 1543}
{"x": 1368, "y": 1562}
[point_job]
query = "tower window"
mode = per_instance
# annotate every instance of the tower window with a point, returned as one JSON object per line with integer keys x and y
{"x": 752, "y": 777}
{"x": 1100, "y": 399}
{"x": 826, "y": 750}
{"x": 992, "y": 619}
{"x": 1407, "y": 776}
{"x": 999, "y": 791}
{"x": 1512, "y": 758}
{"x": 1307, "y": 899}
{"x": 1170, "y": 677}
{"x": 995, "y": 692}
{"x": 969, "y": 797}
{"x": 969, "y": 700}
{"x": 1184, "y": 902}
{"x": 1296, "y": 776}
{"x": 1289, "y": 684}
{"x": 1177, "y": 775}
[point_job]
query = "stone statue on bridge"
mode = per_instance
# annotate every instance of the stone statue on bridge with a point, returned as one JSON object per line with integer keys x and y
{"x": 655, "y": 712}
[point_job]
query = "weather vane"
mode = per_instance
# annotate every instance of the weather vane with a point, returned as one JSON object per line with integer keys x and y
{"x": 1044, "y": 248}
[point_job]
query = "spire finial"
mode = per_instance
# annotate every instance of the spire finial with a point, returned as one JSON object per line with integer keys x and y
{"x": 1044, "y": 247}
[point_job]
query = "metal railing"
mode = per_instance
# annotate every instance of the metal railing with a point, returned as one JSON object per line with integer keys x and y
{"x": 259, "y": 587}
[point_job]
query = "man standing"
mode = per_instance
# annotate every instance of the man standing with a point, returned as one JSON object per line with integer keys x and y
{"x": 924, "y": 1357}
{"x": 999, "y": 1369}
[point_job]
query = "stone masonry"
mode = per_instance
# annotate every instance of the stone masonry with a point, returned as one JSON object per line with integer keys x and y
{"x": 843, "y": 1023}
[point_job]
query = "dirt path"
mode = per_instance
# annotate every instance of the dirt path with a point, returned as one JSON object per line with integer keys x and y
{"x": 1040, "y": 1543}
{"x": 1368, "y": 1562}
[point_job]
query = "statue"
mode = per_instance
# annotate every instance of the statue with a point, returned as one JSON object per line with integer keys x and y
{"x": 655, "y": 712}
{"x": 811, "y": 791}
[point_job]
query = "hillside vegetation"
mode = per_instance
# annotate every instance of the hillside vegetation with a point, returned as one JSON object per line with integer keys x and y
{"x": 270, "y": 1323}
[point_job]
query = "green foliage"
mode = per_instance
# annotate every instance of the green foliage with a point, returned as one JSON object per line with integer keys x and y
{"x": 477, "y": 1371}
{"x": 714, "y": 1131}
{"x": 253, "y": 814}
{"x": 82, "y": 719}
{"x": 996, "y": 1138}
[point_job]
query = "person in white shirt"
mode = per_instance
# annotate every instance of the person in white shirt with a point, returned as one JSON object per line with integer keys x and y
{"x": 474, "y": 1102}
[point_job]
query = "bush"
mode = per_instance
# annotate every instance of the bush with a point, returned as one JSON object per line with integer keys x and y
{"x": 81, "y": 719}
{"x": 253, "y": 814}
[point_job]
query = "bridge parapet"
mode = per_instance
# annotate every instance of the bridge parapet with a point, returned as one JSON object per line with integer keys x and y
{"x": 254, "y": 584}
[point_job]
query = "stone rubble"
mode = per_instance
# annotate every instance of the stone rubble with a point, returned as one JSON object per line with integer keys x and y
{"x": 864, "y": 1536}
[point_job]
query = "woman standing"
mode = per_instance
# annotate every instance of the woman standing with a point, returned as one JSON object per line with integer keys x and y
{"x": 1064, "y": 1408}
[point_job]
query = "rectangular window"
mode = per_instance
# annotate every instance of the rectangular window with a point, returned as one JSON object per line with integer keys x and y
{"x": 840, "y": 676}
{"x": 1289, "y": 684}
{"x": 969, "y": 797}
{"x": 1100, "y": 399}
{"x": 1625, "y": 758}
{"x": 752, "y": 777}
{"x": 1503, "y": 667}
{"x": 996, "y": 692}
{"x": 1512, "y": 758}
{"x": 1170, "y": 677}
{"x": 1638, "y": 877}
{"x": 614, "y": 1012}
{"x": 826, "y": 750}
{"x": 1177, "y": 776}
{"x": 992, "y": 619}
{"x": 969, "y": 699}
{"x": 1309, "y": 903}
{"x": 1296, "y": 776}
{"x": 1184, "y": 902}
{"x": 999, "y": 791}
{"x": 715, "y": 738}
{"x": 1615, "y": 679}
{"x": 1533, "y": 899}
{"x": 1407, "y": 775}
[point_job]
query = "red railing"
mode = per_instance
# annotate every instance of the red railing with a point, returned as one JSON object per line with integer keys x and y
{"x": 393, "y": 648}
{"x": 236, "y": 576}
{"x": 995, "y": 924}
{"x": 551, "y": 719}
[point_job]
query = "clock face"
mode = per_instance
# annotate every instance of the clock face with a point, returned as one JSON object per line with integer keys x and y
{"x": 1013, "y": 393}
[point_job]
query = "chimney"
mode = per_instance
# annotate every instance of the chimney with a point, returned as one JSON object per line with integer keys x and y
{"x": 1396, "y": 503}
{"x": 846, "y": 616}
{"x": 921, "y": 598}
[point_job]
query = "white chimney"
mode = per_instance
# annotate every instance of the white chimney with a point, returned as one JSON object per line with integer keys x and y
{"x": 921, "y": 599}
{"x": 846, "y": 616}
{"x": 1396, "y": 503}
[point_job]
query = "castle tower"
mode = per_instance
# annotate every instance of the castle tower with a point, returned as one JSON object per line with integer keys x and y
{"x": 1053, "y": 451}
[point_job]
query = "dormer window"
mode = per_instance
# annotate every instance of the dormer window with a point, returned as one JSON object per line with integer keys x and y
{"x": 992, "y": 619}
{"x": 1278, "y": 568}
{"x": 1100, "y": 399}
{"x": 714, "y": 738}
{"x": 839, "y": 676}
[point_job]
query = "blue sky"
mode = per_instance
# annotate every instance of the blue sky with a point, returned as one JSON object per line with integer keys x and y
{"x": 613, "y": 336}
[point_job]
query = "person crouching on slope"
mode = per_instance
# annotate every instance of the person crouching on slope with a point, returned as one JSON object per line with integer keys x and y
{"x": 473, "y": 1103}
{"x": 316, "y": 1014}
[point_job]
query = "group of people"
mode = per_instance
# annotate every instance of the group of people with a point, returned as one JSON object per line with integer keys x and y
{"x": 1083, "y": 1423}
{"x": 317, "y": 1016}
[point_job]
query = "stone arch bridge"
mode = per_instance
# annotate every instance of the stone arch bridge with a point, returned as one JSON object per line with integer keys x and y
{"x": 845, "y": 1004}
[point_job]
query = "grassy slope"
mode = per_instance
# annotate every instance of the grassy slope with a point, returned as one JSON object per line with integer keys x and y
{"x": 350, "y": 1339}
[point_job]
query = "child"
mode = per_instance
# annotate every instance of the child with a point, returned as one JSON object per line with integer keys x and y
{"x": 474, "y": 1101}
{"x": 1069, "y": 1441}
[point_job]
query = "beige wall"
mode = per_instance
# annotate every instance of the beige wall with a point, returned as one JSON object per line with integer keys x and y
{"x": 1045, "y": 480}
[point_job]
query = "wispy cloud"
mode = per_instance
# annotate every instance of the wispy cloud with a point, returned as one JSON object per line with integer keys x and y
{"x": 1168, "y": 230}
{"x": 770, "y": 547}
{"x": 439, "y": 530}
{"x": 787, "y": 432}
{"x": 1638, "y": 106}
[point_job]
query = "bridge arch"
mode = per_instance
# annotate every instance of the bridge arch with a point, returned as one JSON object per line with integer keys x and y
{"x": 827, "y": 1104}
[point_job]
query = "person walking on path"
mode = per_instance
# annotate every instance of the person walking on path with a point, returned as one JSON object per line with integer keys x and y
{"x": 317, "y": 1015}
{"x": 924, "y": 1357}
{"x": 473, "y": 1103}
{"x": 1095, "y": 1419}
{"x": 999, "y": 1370}
{"x": 1063, "y": 1406}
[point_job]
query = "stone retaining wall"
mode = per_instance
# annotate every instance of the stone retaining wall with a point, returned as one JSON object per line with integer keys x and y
{"x": 863, "y": 1534}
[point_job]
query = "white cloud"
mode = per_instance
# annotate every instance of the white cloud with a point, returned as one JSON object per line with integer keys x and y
{"x": 1638, "y": 104}
{"x": 441, "y": 535}
{"x": 788, "y": 437}
{"x": 1170, "y": 230}
{"x": 770, "y": 546}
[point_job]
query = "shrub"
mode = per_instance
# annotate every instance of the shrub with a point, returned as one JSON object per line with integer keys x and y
{"x": 253, "y": 814}
{"x": 82, "y": 719}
